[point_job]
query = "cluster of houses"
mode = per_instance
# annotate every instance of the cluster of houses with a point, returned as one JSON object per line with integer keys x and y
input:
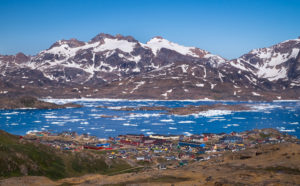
{"x": 162, "y": 150}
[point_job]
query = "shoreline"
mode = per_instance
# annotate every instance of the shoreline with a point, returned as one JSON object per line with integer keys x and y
{"x": 149, "y": 100}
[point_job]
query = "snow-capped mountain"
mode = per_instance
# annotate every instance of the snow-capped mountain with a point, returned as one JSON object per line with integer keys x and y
{"x": 273, "y": 63}
{"x": 106, "y": 58}
{"x": 122, "y": 67}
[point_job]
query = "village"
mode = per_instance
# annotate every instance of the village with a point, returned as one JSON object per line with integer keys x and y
{"x": 162, "y": 151}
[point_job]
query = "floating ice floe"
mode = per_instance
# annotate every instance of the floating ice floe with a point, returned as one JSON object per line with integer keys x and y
{"x": 64, "y": 117}
{"x": 216, "y": 119}
{"x": 109, "y": 130}
{"x": 74, "y": 120}
{"x": 166, "y": 120}
{"x": 238, "y": 118}
{"x": 51, "y": 116}
{"x": 118, "y": 119}
{"x": 186, "y": 122}
{"x": 58, "y": 122}
{"x": 258, "y": 108}
{"x": 32, "y": 131}
{"x": 10, "y": 113}
{"x": 283, "y": 129}
{"x": 136, "y": 115}
{"x": 287, "y": 100}
{"x": 129, "y": 124}
{"x": 294, "y": 123}
{"x": 78, "y": 112}
{"x": 116, "y": 107}
{"x": 213, "y": 113}
{"x": 158, "y": 124}
{"x": 187, "y": 133}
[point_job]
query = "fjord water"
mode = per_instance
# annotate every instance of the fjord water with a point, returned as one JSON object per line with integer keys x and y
{"x": 284, "y": 116}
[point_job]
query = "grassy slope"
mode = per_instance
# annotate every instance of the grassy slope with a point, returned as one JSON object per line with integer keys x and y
{"x": 18, "y": 158}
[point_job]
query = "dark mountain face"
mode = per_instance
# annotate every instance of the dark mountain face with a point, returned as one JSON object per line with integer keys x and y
{"x": 121, "y": 67}
{"x": 294, "y": 69}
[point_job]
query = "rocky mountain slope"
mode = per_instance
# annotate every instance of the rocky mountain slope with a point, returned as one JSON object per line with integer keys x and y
{"x": 122, "y": 67}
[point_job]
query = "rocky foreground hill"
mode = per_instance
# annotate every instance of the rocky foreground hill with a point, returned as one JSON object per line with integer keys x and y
{"x": 121, "y": 67}
{"x": 19, "y": 157}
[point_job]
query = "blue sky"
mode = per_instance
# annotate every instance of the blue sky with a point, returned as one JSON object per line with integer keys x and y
{"x": 229, "y": 28}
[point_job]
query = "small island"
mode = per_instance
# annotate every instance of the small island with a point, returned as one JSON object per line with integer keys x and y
{"x": 186, "y": 110}
{"x": 28, "y": 102}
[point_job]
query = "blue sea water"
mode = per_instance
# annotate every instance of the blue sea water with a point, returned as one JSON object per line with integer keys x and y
{"x": 284, "y": 116}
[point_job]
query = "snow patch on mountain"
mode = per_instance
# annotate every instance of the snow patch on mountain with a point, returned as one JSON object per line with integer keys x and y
{"x": 137, "y": 86}
{"x": 113, "y": 44}
{"x": 65, "y": 50}
{"x": 158, "y": 43}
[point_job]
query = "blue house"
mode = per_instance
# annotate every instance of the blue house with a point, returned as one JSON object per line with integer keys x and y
{"x": 194, "y": 145}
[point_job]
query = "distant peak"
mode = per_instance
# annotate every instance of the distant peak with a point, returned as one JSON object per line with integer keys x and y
{"x": 20, "y": 54}
{"x": 102, "y": 36}
{"x": 119, "y": 36}
{"x": 21, "y": 57}
{"x": 71, "y": 43}
{"x": 128, "y": 38}
{"x": 158, "y": 37}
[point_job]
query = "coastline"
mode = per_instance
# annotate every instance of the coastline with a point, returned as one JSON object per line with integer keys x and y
{"x": 147, "y": 100}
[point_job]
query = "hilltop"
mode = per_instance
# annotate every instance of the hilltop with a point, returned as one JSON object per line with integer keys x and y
{"x": 20, "y": 157}
{"x": 29, "y": 102}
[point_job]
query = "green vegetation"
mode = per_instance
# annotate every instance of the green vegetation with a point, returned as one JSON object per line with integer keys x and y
{"x": 122, "y": 171}
{"x": 144, "y": 163}
{"x": 19, "y": 157}
{"x": 157, "y": 179}
{"x": 101, "y": 152}
{"x": 264, "y": 135}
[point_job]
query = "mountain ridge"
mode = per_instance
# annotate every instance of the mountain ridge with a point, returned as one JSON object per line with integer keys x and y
{"x": 113, "y": 65}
